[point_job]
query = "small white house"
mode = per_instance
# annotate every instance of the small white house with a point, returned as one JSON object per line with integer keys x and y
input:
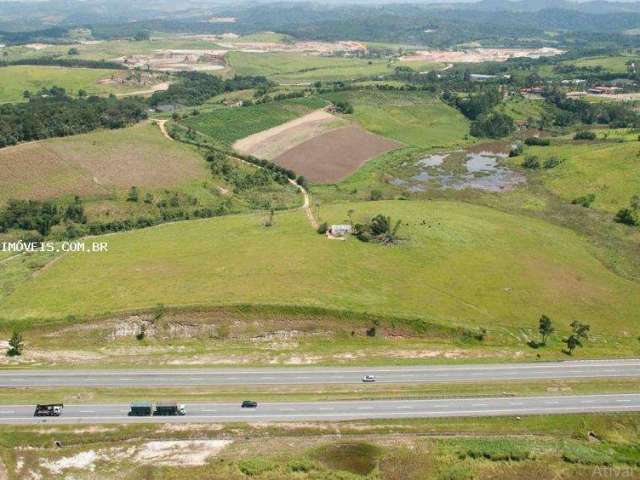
{"x": 340, "y": 230}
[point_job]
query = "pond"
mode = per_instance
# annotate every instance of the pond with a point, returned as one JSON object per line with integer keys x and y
{"x": 479, "y": 168}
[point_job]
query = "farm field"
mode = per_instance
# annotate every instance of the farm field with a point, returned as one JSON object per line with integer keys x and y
{"x": 275, "y": 141}
{"x": 414, "y": 119}
{"x": 611, "y": 171}
{"x": 14, "y": 80}
{"x": 96, "y": 163}
{"x": 461, "y": 265}
{"x": 287, "y": 67}
{"x": 336, "y": 154}
{"x": 231, "y": 124}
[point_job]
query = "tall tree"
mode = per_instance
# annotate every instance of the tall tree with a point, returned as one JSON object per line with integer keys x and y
{"x": 545, "y": 327}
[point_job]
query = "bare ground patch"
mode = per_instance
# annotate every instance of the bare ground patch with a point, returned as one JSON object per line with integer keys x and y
{"x": 334, "y": 155}
{"x": 273, "y": 142}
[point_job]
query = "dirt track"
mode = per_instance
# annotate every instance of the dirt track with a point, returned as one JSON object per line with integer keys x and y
{"x": 335, "y": 154}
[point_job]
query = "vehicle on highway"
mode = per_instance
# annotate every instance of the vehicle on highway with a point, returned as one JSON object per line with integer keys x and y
{"x": 368, "y": 379}
{"x": 141, "y": 409}
{"x": 169, "y": 409}
{"x": 249, "y": 404}
{"x": 48, "y": 410}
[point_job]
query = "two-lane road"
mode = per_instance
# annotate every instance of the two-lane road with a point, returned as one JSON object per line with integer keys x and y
{"x": 306, "y": 376}
{"x": 342, "y": 410}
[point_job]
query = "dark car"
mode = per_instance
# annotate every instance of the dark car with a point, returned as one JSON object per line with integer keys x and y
{"x": 51, "y": 410}
{"x": 249, "y": 404}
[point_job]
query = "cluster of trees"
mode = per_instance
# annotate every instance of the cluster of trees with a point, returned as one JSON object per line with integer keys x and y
{"x": 33, "y": 215}
{"x": 579, "y": 333}
{"x": 242, "y": 179}
{"x": 379, "y": 229}
{"x": 475, "y": 105}
{"x": 572, "y": 111}
{"x": 195, "y": 88}
{"x": 52, "y": 113}
{"x": 65, "y": 62}
{"x": 493, "y": 125}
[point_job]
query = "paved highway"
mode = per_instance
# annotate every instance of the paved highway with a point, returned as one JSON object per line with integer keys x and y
{"x": 301, "y": 376}
{"x": 343, "y": 410}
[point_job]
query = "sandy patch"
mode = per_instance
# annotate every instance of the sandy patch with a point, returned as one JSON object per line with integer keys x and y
{"x": 180, "y": 453}
{"x": 272, "y": 143}
{"x": 336, "y": 154}
{"x": 81, "y": 461}
{"x": 478, "y": 55}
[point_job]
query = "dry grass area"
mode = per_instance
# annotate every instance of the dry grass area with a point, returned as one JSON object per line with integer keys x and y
{"x": 272, "y": 143}
{"x": 96, "y": 163}
{"x": 478, "y": 55}
{"x": 334, "y": 155}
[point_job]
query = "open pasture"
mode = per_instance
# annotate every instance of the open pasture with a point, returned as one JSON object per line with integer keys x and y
{"x": 96, "y": 163}
{"x": 609, "y": 170}
{"x": 416, "y": 119}
{"x": 14, "y": 80}
{"x": 459, "y": 264}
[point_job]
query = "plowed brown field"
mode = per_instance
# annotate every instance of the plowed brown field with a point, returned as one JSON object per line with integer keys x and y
{"x": 334, "y": 155}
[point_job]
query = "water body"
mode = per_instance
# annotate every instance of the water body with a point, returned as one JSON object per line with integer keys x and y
{"x": 462, "y": 169}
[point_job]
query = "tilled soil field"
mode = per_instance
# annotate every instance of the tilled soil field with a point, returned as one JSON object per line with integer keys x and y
{"x": 336, "y": 154}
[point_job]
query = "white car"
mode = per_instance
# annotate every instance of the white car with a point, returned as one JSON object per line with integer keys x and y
{"x": 368, "y": 379}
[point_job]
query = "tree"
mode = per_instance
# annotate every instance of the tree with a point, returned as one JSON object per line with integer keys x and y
{"x": 133, "y": 195}
{"x": 16, "y": 345}
{"x": 580, "y": 331}
{"x": 545, "y": 327}
{"x": 380, "y": 229}
{"x": 73, "y": 51}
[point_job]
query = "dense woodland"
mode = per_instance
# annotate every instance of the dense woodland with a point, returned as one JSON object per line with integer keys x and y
{"x": 53, "y": 113}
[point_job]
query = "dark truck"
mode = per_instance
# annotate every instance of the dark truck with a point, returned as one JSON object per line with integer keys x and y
{"x": 141, "y": 409}
{"x": 49, "y": 410}
{"x": 147, "y": 409}
{"x": 169, "y": 409}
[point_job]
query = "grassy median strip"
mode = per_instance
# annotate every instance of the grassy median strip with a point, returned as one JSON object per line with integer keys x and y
{"x": 285, "y": 393}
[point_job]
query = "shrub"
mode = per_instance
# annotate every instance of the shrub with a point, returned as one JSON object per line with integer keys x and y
{"x": 585, "y": 200}
{"x": 516, "y": 150}
{"x": 584, "y": 455}
{"x": 322, "y": 228}
{"x": 551, "y": 162}
{"x": 16, "y": 345}
{"x": 584, "y": 135}
{"x": 375, "y": 195}
{"x": 255, "y": 466}
{"x": 537, "y": 141}
{"x": 531, "y": 162}
{"x": 133, "y": 195}
{"x": 301, "y": 465}
{"x": 627, "y": 216}
{"x": 495, "y": 450}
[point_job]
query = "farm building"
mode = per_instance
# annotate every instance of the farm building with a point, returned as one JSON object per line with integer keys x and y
{"x": 339, "y": 230}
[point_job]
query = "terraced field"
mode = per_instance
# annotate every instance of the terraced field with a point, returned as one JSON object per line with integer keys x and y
{"x": 460, "y": 264}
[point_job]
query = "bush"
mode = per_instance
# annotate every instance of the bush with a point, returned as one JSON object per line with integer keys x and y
{"x": 584, "y": 201}
{"x": 516, "y": 150}
{"x": 584, "y": 135}
{"x": 495, "y": 450}
{"x": 375, "y": 195}
{"x": 537, "y": 141}
{"x": 16, "y": 345}
{"x": 531, "y": 162}
{"x": 255, "y": 466}
{"x": 584, "y": 455}
{"x": 551, "y": 162}
{"x": 302, "y": 466}
{"x": 323, "y": 228}
{"x": 627, "y": 216}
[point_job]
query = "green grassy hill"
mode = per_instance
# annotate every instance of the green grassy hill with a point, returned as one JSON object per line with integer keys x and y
{"x": 461, "y": 264}
{"x": 415, "y": 119}
{"x": 609, "y": 170}
{"x": 15, "y": 80}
